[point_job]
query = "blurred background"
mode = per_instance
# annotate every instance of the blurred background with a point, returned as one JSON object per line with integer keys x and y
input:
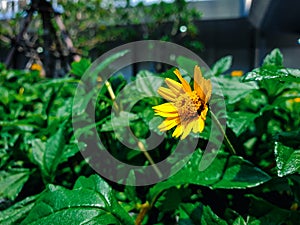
{"x": 245, "y": 29}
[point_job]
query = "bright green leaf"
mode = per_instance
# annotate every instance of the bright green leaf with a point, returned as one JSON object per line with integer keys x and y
{"x": 79, "y": 68}
{"x": 275, "y": 58}
{"x": 91, "y": 201}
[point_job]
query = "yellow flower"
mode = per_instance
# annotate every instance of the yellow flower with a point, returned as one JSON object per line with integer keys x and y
{"x": 186, "y": 108}
{"x": 36, "y": 66}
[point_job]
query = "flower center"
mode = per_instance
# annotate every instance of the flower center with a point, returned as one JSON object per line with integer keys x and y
{"x": 189, "y": 105}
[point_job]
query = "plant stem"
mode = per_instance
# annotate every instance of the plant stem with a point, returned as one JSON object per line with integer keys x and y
{"x": 141, "y": 146}
{"x": 229, "y": 145}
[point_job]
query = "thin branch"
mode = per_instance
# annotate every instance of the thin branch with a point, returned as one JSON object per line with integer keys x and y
{"x": 229, "y": 145}
{"x": 141, "y": 146}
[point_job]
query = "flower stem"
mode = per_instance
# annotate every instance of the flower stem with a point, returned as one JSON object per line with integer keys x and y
{"x": 227, "y": 141}
{"x": 141, "y": 146}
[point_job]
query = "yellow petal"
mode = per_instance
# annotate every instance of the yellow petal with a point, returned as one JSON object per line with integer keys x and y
{"x": 178, "y": 131}
{"x": 201, "y": 124}
{"x": 204, "y": 112}
{"x": 196, "y": 127}
{"x": 167, "y": 114}
{"x": 167, "y": 124}
{"x": 174, "y": 86}
{"x": 166, "y": 93}
{"x": 187, "y": 128}
{"x": 202, "y": 86}
{"x": 198, "y": 82}
{"x": 165, "y": 107}
{"x": 185, "y": 84}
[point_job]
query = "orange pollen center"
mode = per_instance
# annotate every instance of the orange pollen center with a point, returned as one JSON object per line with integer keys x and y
{"x": 188, "y": 105}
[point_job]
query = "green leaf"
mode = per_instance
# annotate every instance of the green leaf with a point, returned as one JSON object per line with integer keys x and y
{"x": 221, "y": 66}
{"x": 193, "y": 214}
{"x": 108, "y": 61}
{"x": 147, "y": 83}
{"x": 119, "y": 121}
{"x": 54, "y": 150}
{"x": 287, "y": 159}
{"x": 171, "y": 198}
{"x": 90, "y": 202}
{"x": 12, "y": 182}
{"x": 225, "y": 171}
{"x": 4, "y": 93}
{"x": 79, "y": 68}
{"x": 186, "y": 64}
{"x": 240, "y": 121}
{"x": 50, "y": 154}
{"x": 17, "y": 212}
{"x": 21, "y": 125}
{"x": 273, "y": 73}
{"x": 271, "y": 214}
{"x": 275, "y": 58}
{"x": 240, "y": 221}
{"x": 234, "y": 90}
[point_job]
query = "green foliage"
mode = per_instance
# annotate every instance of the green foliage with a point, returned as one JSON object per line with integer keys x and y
{"x": 91, "y": 200}
{"x": 45, "y": 180}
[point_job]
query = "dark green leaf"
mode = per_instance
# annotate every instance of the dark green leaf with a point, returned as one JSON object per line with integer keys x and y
{"x": 17, "y": 212}
{"x": 50, "y": 154}
{"x": 225, "y": 171}
{"x": 287, "y": 159}
{"x": 54, "y": 150}
{"x": 90, "y": 202}
{"x": 271, "y": 214}
{"x": 11, "y": 182}
{"x": 240, "y": 121}
{"x": 193, "y": 214}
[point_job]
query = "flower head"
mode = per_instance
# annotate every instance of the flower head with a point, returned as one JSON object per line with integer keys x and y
{"x": 186, "y": 108}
